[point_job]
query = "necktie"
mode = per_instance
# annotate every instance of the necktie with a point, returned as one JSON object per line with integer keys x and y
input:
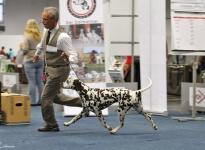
{"x": 48, "y": 37}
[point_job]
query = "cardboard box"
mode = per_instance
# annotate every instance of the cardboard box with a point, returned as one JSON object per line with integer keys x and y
{"x": 16, "y": 108}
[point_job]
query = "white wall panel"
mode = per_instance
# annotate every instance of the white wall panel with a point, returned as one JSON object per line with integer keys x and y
{"x": 121, "y": 6}
{"x": 152, "y": 38}
{"x": 123, "y": 50}
{"x": 121, "y": 29}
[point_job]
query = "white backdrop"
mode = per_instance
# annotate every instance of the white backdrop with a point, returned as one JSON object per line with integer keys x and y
{"x": 10, "y": 41}
{"x": 152, "y": 38}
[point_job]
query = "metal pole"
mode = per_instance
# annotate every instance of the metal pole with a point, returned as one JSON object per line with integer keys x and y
{"x": 194, "y": 87}
{"x": 133, "y": 40}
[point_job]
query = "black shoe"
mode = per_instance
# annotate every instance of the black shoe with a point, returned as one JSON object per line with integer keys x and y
{"x": 49, "y": 129}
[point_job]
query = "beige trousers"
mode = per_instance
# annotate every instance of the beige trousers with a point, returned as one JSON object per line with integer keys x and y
{"x": 51, "y": 93}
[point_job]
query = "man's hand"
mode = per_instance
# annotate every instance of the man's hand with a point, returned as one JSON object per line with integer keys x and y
{"x": 35, "y": 58}
{"x": 65, "y": 56}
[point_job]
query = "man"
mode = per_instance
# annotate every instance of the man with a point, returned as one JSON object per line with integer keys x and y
{"x": 56, "y": 46}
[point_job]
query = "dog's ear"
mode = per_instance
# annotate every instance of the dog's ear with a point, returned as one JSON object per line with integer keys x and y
{"x": 138, "y": 93}
{"x": 78, "y": 84}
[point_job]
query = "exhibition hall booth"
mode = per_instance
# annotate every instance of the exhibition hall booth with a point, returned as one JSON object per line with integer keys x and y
{"x": 137, "y": 64}
{"x": 105, "y": 38}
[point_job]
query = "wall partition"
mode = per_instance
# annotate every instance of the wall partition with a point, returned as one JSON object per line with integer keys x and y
{"x": 152, "y": 39}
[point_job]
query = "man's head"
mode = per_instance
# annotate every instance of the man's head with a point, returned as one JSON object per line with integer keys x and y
{"x": 50, "y": 17}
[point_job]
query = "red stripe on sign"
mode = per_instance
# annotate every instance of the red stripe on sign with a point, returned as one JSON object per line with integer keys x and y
{"x": 189, "y": 17}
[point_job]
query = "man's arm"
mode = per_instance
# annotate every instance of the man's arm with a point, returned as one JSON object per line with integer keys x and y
{"x": 39, "y": 49}
{"x": 65, "y": 44}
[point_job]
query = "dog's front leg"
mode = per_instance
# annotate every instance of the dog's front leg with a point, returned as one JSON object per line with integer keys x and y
{"x": 102, "y": 119}
{"x": 76, "y": 118}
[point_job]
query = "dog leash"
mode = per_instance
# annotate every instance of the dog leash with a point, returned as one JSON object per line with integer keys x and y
{"x": 76, "y": 74}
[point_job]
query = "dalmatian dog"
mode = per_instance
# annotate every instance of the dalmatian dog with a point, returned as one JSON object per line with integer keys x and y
{"x": 95, "y": 100}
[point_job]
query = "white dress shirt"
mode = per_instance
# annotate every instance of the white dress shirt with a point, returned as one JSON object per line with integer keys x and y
{"x": 64, "y": 43}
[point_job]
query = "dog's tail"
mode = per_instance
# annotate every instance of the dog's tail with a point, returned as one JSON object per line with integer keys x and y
{"x": 145, "y": 88}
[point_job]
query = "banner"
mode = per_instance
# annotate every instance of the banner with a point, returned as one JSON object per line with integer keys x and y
{"x": 187, "y": 24}
{"x": 82, "y": 20}
{"x": 81, "y": 12}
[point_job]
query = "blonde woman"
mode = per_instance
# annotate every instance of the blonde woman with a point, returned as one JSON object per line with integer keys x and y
{"x": 33, "y": 70}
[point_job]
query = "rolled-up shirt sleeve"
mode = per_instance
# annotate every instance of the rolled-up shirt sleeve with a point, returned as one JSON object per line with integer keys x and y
{"x": 65, "y": 44}
{"x": 39, "y": 49}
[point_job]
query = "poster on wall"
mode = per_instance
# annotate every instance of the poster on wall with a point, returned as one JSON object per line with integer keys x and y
{"x": 81, "y": 11}
{"x": 188, "y": 31}
{"x": 82, "y": 20}
{"x": 187, "y": 25}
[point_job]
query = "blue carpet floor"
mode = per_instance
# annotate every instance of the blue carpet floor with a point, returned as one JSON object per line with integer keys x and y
{"x": 87, "y": 134}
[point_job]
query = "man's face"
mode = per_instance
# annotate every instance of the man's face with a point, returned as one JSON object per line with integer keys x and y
{"x": 48, "y": 21}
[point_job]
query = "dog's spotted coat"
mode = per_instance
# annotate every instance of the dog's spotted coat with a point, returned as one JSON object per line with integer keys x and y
{"x": 95, "y": 100}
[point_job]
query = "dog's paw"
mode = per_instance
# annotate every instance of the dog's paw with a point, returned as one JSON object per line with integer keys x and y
{"x": 113, "y": 131}
{"x": 66, "y": 124}
{"x": 155, "y": 127}
{"x": 110, "y": 128}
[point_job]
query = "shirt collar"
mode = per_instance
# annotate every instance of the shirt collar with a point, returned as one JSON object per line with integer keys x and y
{"x": 55, "y": 29}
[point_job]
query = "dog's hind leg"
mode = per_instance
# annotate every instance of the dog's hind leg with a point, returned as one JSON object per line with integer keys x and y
{"x": 121, "y": 111}
{"x": 102, "y": 120}
{"x": 147, "y": 116}
{"x": 76, "y": 118}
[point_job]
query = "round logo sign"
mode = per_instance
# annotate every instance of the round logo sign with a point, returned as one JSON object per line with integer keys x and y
{"x": 81, "y": 8}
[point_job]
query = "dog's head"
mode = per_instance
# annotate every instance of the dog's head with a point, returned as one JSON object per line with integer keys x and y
{"x": 73, "y": 83}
